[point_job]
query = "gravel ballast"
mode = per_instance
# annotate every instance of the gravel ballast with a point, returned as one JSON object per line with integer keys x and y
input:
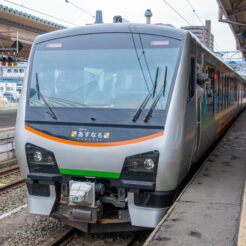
{"x": 22, "y": 228}
{"x": 12, "y": 199}
{"x": 37, "y": 230}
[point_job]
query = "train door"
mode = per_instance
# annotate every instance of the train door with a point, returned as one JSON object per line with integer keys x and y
{"x": 237, "y": 93}
{"x": 190, "y": 116}
{"x": 241, "y": 95}
{"x": 199, "y": 99}
{"x": 210, "y": 94}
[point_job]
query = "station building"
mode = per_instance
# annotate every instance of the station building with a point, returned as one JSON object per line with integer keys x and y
{"x": 17, "y": 29}
{"x": 11, "y": 77}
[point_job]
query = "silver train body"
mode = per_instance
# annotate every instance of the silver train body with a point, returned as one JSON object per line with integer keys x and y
{"x": 131, "y": 178}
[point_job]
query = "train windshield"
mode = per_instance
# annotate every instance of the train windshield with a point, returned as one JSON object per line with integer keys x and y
{"x": 110, "y": 70}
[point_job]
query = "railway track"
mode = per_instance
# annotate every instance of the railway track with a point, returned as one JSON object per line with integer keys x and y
{"x": 8, "y": 170}
{"x": 73, "y": 237}
{"x": 8, "y": 163}
{"x": 12, "y": 177}
{"x": 63, "y": 238}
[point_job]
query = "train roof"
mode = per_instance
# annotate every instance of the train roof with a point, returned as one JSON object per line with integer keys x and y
{"x": 116, "y": 27}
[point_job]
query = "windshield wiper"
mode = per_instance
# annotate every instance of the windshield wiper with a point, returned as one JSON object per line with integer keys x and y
{"x": 161, "y": 92}
{"x": 40, "y": 96}
{"x": 152, "y": 92}
{"x": 156, "y": 81}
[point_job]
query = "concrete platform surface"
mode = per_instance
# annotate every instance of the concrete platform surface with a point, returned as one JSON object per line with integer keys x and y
{"x": 209, "y": 211}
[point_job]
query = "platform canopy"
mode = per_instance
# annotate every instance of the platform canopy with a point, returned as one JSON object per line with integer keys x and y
{"x": 233, "y": 12}
{"x": 17, "y": 25}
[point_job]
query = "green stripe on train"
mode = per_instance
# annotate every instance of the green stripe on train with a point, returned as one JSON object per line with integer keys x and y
{"x": 98, "y": 174}
{"x": 207, "y": 122}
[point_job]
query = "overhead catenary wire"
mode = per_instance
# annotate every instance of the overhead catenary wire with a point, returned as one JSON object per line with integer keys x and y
{"x": 37, "y": 11}
{"x": 194, "y": 11}
{"x": 181, "y": 16}
{"x": 215, "y": 44}
{"x": 76, "y": 6}
{"x": 217, "y": 47}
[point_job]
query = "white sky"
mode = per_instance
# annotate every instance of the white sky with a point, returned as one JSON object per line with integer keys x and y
{"x": 133, "y": 10}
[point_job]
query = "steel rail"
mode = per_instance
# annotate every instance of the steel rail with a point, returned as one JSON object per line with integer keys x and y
{"x": 63, "y": 238}
{"x": 12, "y": 184}
{"x": 8, "y": 170}
{"x": 2, "y": 163}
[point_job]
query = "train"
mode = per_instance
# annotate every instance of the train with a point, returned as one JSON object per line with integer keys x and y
{"x": 113, "y": 116}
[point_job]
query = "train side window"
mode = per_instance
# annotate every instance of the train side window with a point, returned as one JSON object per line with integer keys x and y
{"x": 221, "y": 92}
{"x": 233, "y": 92}
{"x": 227, "y": 92}
{"x": 236, "y": 92}
{"x": 209, "y": 95}
{"x": 192, "y": 78}
{"x": 224, "y": 93}
{"x": 217, "y": 92}
{"x": 230, "y": 91}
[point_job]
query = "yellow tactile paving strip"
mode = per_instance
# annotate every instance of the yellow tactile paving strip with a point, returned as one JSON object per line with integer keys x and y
{"x": 242, "y": 228}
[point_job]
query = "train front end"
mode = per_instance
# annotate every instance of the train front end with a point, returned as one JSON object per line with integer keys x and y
{"x": 90, "y": 126}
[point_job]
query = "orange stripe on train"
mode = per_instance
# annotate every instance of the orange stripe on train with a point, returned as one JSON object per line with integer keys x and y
{"x": 65, "y": 141}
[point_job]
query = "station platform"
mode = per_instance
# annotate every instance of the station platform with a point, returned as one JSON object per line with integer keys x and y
{"x": 212, "y": 208}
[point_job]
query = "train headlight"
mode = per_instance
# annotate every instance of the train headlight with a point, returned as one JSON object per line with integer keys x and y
{"x": 40, "y": 160}
{"x": 149, "y": 164}
{"x": 37, "y": 156}
{"x": 144, "y": 164}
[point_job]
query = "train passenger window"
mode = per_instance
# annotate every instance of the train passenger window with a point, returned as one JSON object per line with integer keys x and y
{"x": 230, "y": 91}
{"x": 224, "y": 93}
{"x": 227, "y": 92}
{"x": 236, "y": 94}
{"x": 221, "y": 91}
{"x": 239, "y": 93}
{"x": 192, "y": 78}
{"x": 209, "y": 95}
{"x": 217, "y": 92}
